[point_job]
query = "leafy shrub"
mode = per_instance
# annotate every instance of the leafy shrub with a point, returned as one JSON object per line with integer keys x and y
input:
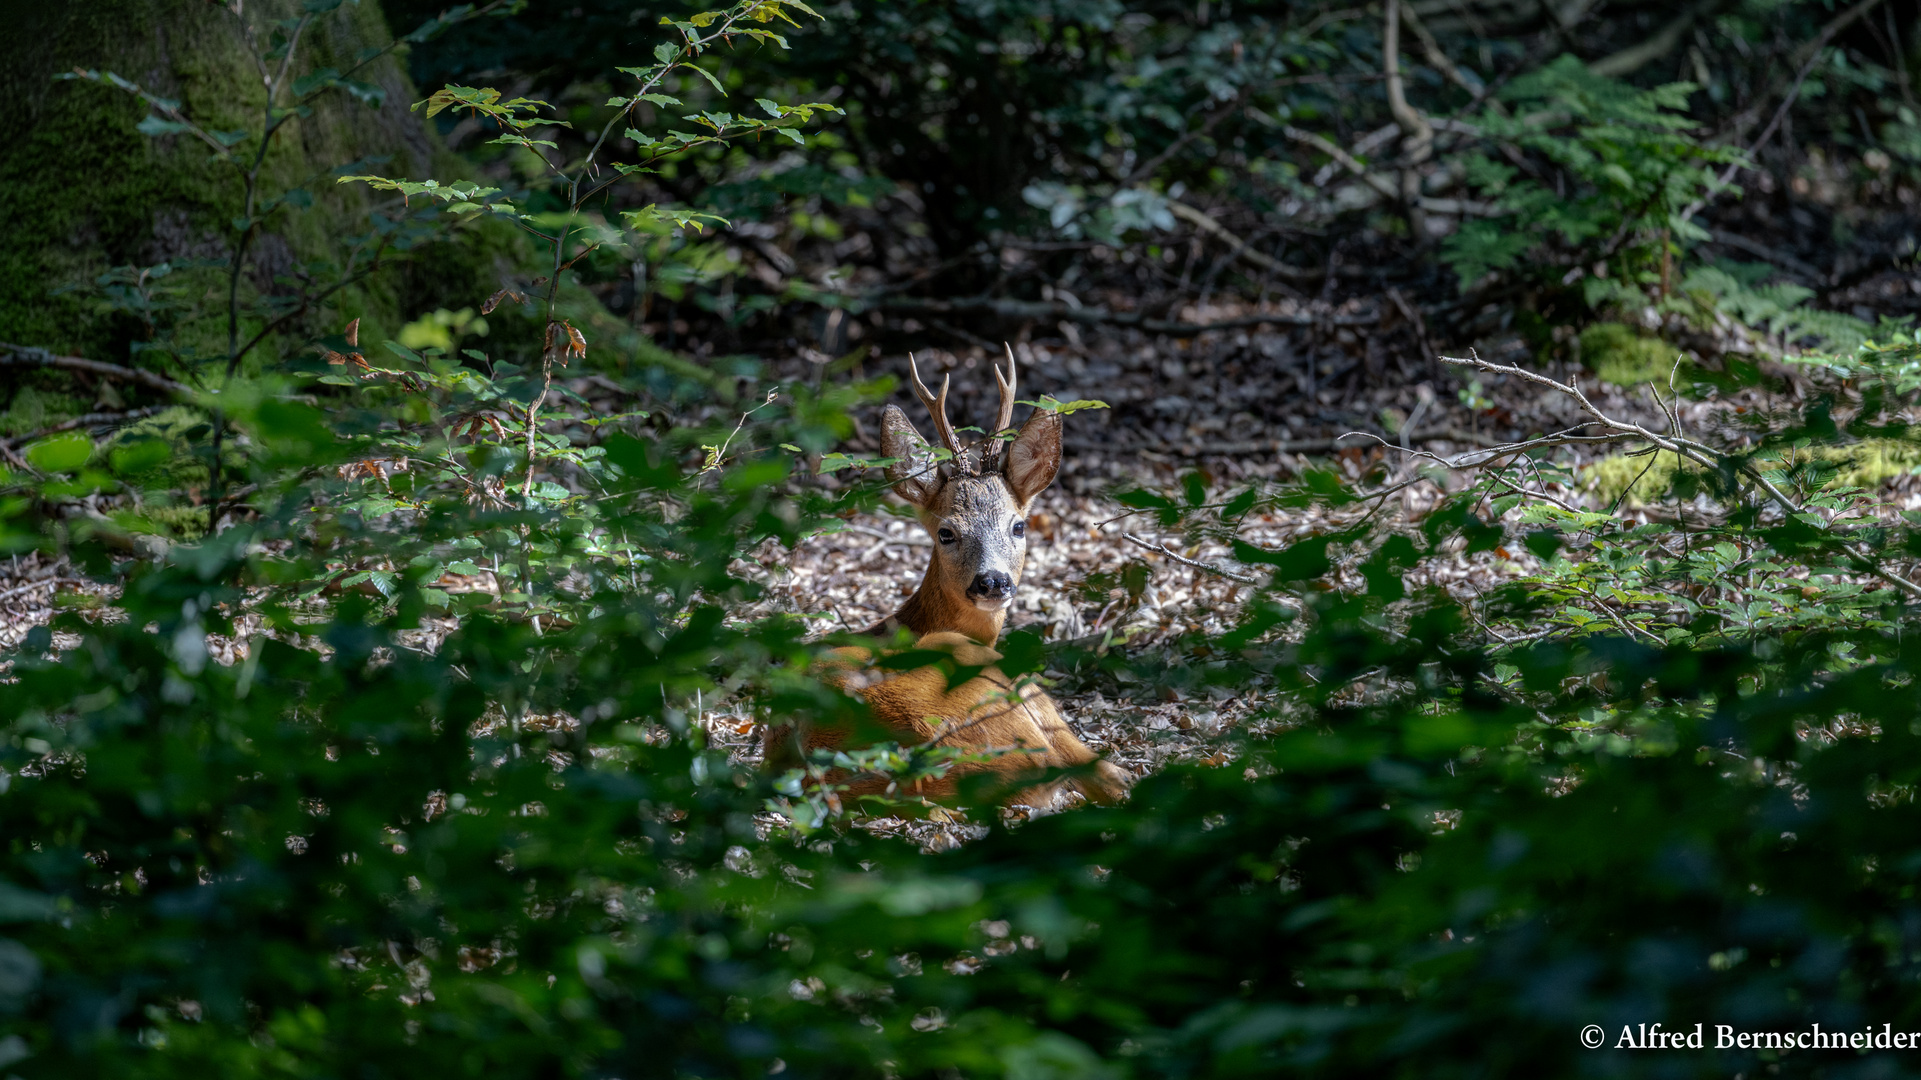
{"x": 1779, "y": 309}
{"x": 506, "y": 850}
{"x": 1630, "y": 166}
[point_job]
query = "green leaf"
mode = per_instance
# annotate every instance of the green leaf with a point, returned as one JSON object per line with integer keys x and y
{"x": 1543, "y": 543}
{"x": 65, "y": 452}
{"x": 367, "y": 94}
{"x": 836, "y": 462}
{"x": 1066, "y": 408}
{"x": 1298, "y": 561}
{"x": 709, "y": 76}
{"x": 1239, "y": 505}
{"x": 157, "y": 126}
{"x": 19, "y": 905}
{"x": 318, "y": 80}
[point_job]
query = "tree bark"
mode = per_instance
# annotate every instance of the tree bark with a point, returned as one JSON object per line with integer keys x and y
{"x": 82, "y": 191}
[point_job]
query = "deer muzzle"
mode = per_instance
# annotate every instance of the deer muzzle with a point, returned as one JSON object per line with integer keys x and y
{"x": 991, "y": 589}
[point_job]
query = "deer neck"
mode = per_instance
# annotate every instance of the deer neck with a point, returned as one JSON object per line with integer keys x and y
{"x": 932, "y": 609}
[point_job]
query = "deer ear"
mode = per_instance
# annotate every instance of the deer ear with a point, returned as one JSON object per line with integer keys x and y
{"x": 1034, "y": 456}
{"x": 913, "y": 476}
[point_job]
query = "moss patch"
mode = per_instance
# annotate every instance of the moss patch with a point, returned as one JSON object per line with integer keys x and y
{"x": 1639, "y": 481}
{"x": 1617, "y": 354}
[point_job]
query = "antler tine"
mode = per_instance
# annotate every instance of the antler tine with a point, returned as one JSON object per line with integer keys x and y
{"x": 1006, "y": 418}
{"x": 937, "y": 406}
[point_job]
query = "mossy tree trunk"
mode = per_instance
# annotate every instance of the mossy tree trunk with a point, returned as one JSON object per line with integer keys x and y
{"x": 82, "y": 191}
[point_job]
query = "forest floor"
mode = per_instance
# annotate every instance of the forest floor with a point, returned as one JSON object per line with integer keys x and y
{"x": 1258, "y": 404}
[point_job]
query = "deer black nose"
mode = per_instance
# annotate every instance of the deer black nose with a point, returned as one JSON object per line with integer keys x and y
{"x": 994, "y": 585}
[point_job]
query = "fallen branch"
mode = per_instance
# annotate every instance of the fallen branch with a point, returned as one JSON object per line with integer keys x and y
{"x": 1381, "y": 184}
{"x": 1440, "y": 62}
{"x": 1237, "y": 245}
{"x": 1639, "y": 55}
{"x": 87, "y": 420}
{"x": 1163, "y": 549}
{"x": 44, "y": 583}
{"x": 1761, "y": 251}
{"x": 1348, "y": 161}
{"x": 1030, "y": 309}
{"x": 29, "y": 356}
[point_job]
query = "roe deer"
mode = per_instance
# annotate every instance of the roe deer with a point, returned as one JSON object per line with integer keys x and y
{"x": 975, "y": 508}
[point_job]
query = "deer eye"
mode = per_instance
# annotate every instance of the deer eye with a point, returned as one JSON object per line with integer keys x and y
{"x": 946, "y": 535}
{"x": 1020, "y": 529}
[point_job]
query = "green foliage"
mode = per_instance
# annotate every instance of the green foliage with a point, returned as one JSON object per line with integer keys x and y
{"x": 510, "y": 854}
{"x": 1779, "y": 309}
{"x": 1629, "y": 162}
{"x": 393, "y": 754}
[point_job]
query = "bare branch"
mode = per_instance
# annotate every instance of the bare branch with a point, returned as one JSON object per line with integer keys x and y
{"x": 87, "y": 420}
{"x": 1237, "y": 245}
{"x": 1663, "y": 41}
{"x": 29, "y": 356}
{"x": 1865, "y": 560}
{"x": 1163, "y": 549}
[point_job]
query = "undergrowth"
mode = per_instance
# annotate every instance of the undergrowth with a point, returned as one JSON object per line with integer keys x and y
{"x": 448, "y": 809}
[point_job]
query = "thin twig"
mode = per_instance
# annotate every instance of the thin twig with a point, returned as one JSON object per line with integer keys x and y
{"x": 44, "y": 583}
{"x": 86, "y": 420}
{"x": 1614, "y": 616}
{"x": 1163, "y": 549}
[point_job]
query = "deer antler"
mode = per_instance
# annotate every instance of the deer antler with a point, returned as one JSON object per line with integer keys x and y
{"x": 937, "y": 406}
{"x": 1006, "y": 418}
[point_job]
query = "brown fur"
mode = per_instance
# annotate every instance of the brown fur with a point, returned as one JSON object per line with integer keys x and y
{"x": 978, "y": 507}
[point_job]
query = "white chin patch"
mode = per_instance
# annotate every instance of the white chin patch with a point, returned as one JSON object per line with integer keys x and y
{"x": 992, "y": 604}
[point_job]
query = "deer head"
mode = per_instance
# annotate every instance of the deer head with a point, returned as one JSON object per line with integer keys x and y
{"x": 973, "y": 505}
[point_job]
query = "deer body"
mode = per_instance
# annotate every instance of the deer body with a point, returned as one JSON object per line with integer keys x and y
{"x": 975, "y": 507}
